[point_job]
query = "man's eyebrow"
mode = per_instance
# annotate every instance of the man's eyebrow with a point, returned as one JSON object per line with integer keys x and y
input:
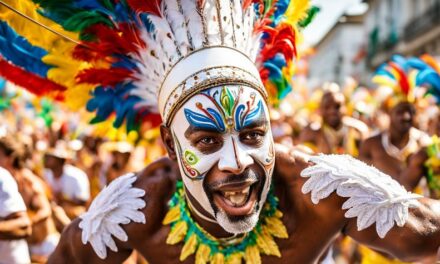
{"x": 260, "y": 122}
{"x": 193, "y": 129}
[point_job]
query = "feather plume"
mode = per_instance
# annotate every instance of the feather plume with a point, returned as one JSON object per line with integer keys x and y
{"x": 178, "y": 25}
{"x": 226, "y": 22}
{"x": 212, "y": 23}
{"x": 194, "y": 22}
{"x": 31, "y": 82}
{"x": 104, "y": 77}
{"x": 149, "y": 7}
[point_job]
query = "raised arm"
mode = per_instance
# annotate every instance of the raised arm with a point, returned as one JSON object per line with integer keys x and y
{"x": 380, "y": 212}
{"x": 118, "y": 220}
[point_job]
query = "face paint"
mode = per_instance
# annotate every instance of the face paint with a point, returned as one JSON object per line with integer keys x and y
{"x": 226, "y": 112}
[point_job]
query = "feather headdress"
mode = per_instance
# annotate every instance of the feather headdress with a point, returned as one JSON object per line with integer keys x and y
{"x": 139, "y": 60}
{"x": 404, "y": 75}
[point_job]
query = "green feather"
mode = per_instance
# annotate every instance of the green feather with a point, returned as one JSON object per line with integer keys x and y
{"x": 82, "y": 20}
{"x": 311, "y": 14}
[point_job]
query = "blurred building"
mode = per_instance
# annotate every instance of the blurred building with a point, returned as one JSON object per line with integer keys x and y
{"x": 407, "y": 27}
{"x": 336, "y": 53}
{"x": 357, "y": 45}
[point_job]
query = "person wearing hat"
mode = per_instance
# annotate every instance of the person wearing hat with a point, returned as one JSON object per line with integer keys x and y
{"x": 207, "y": 71}
{"x": 69, "y": 184}
{"x": 394, "y": 151}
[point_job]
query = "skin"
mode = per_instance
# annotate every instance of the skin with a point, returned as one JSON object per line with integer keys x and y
{"x": 309, "y": 226}
{"x": 372, "y": 152}
{"x": 15, "y": 226}
{"x": 332, "y": 110}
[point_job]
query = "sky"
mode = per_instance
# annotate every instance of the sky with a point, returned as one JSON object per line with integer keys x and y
{"x": 331, "y": 10}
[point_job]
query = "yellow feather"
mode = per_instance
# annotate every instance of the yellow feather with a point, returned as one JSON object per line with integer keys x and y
{"x": 218, "y": 259}
{"x": 202, "y": 255}
{"x": 267, "y": 245}
{"x": 252, "y": 255}
{"x": 34, "y": 33}
{"x": 296, "y": 11}
{"x": 177, "y": 233}
{"x": 172, "y": 216}
{"x": 189, "y": 248}
{"x": 234, "y": 258}
{"x": 276, "y": 227}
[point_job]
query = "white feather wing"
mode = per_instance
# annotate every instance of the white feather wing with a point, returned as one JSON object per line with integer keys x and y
{"x": 118, "y": 203}
{"x": 373, "y": 195}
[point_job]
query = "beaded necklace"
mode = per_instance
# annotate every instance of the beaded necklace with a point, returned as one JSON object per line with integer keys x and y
{"x": 207, "y": 248}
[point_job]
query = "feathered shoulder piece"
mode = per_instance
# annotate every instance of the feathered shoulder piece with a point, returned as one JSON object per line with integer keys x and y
{"x": 373, "y": 197}
{"x": 137, "y": 60}
{"x": 116, "y": 205}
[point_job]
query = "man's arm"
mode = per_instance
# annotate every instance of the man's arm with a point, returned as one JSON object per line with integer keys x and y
{"x": 418, "y": 238}
{"x": 15, "y": 226}
{"x": 382, "y": 213}
{"x": 415, "y": 170}
{"x": 95, "y": 237}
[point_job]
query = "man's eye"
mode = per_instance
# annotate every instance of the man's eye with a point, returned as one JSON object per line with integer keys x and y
{"x": 252, "y": 137}
{"x": 208, "y": 140}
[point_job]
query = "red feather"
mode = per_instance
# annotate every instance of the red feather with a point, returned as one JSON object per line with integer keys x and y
{"x": 31, "y": 82}
{"x": 152, "y": 120}
{"x": 404, "y": 84}
{"x": 146, "y": 6}
{"x": 279, "y": 40}
{"x": 123, "y": 40}
{"x": 104, "y": 77}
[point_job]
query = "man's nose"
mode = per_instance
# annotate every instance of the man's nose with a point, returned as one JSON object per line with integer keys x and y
{"x": 407, "y": 116}
{"x": 234, "y": 158}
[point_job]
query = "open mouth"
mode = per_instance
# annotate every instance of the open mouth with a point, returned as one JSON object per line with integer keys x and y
{"x": 237, "y": 199}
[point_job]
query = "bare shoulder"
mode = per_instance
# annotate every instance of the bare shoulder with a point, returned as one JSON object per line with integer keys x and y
{"x": 120, "y": 217}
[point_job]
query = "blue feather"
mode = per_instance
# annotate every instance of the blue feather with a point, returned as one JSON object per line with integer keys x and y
{"x": 20, "y": 52}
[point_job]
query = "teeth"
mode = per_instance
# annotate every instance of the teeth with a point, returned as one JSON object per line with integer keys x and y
{"x": 237, "y": 198}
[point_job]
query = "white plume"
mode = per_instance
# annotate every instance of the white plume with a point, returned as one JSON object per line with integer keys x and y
{"x": 226, "y": 21}
{"x": 212, "y": 25}
{"x": 238, "y": 25}
{"x": 194, "y": 23}
{"x": 373, "y": 195}
{"x": 178, "y": 25}
{"x": 117, "y": 204}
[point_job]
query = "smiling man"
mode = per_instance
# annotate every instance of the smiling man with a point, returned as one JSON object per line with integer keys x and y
{"x": 226, "y": 194}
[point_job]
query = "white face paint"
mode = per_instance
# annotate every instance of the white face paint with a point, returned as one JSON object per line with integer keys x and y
{"x": 228, "y": 112}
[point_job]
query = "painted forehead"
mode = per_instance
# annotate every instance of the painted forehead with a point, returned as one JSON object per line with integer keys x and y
{"x": 223, "y": 109}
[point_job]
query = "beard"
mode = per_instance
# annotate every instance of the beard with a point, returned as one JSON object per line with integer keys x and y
{"x": 238, "y": 224}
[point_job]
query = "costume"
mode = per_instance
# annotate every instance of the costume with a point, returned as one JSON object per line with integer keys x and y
{"x": 196, "y": 66}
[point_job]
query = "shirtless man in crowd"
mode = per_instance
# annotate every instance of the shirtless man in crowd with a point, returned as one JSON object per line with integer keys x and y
{"x": 337, "y": 133}
{"x": 44, "y": 236}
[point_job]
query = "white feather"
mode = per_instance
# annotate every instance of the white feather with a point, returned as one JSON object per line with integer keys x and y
{"x": 108, "y": 210}
{"x": 166, "y": 39}
{"x": 178, "y": 25}
{"x": 194, "y": 22}
{"x": 212, "y": 25}
{"x": 238, "y": 24}
{"x": 226, "y": 21}
{"x": 373, "y": 195}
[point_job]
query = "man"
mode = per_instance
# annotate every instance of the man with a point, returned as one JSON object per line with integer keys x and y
{"x": 69, "y": 184}
{"x": 195, "y": 63}
{"x": 44, "y": 236}
{"x": 338, "y": 133}
{"x": 391, "y": 150}
{"x": 15, "y": 225}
